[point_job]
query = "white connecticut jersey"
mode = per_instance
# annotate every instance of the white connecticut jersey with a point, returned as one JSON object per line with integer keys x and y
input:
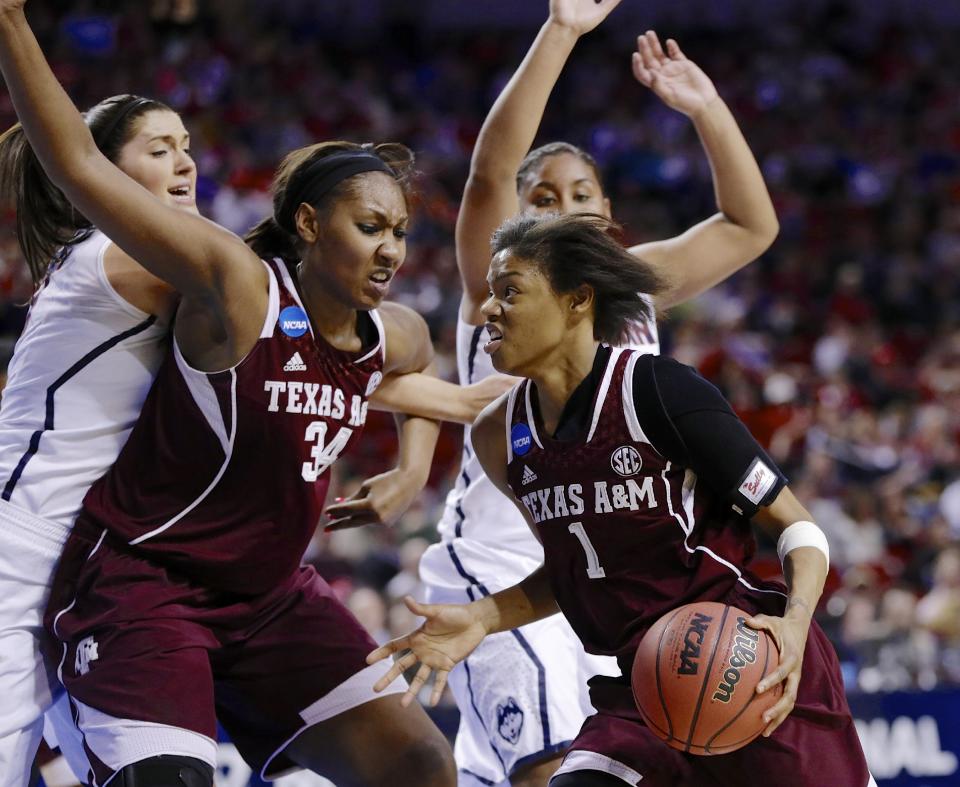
{"x": 483, "y": 536}
{"x": 78, "y": 379}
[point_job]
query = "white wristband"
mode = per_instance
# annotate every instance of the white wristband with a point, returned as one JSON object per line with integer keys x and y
{"x": 802, "y": 534}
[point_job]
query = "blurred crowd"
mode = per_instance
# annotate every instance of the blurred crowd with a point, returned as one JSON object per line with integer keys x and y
{"x": 840, "y": 347}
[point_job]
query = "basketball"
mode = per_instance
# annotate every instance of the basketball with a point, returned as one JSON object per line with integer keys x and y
{"x": 695, "y": 676}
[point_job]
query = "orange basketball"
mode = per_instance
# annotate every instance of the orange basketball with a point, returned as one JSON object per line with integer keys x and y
{"x": 695, "y": 676}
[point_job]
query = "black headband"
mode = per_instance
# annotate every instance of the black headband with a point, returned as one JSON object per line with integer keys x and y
{"x": 312, "y": 182}
{"x": 102, "y": 135}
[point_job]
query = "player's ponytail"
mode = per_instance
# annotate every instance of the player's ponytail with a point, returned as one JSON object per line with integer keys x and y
{"x": 585, "y": 249}
{"x": 304, "y": 168}
{"x": 46, "y": 221}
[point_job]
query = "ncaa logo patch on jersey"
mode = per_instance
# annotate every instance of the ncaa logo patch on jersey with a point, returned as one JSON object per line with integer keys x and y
{"x": 374, "y": 382}
{"x": 626, "y": 461}
{"x": 293, "y": 322}
{"x": 522, "y": 439}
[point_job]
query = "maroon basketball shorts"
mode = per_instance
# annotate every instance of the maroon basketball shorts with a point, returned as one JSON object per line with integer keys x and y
{"x": 152, "y": 660}
{"x": 816, "y": 745}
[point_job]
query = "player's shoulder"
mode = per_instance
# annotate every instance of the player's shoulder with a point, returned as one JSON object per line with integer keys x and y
{"x": 488, "y": 433}
{"x": 408, "y": 346}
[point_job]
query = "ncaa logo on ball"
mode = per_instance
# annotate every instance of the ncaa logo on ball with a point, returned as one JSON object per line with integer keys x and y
{"x": 626, "y": 461}
{"x": 522, "y": 439}
{"x": 293, "y": 322}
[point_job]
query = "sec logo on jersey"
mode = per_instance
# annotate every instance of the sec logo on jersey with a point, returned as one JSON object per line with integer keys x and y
{"x": 521, "y": 438}
{"x": 293, "y": 322}
{"x": 626, "y": 461}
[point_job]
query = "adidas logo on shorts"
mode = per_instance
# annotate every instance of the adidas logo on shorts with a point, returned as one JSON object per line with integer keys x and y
{"x": 528, "y": 475}
{"x": 295, "y": 364}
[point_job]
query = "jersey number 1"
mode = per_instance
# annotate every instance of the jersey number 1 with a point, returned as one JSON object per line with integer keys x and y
{"x": 324, "y": 454}
{"x": 594, "y": 569}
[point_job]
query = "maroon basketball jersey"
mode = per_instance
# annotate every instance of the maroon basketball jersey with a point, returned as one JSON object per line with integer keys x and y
{"x": 627, "y": 534}
{"x": 225, "y": 474}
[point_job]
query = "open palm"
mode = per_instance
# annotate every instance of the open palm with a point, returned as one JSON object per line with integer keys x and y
{"x": 581, "y": 16}
{"x": 679, "y": 82}
{"x": 450, "y": 633}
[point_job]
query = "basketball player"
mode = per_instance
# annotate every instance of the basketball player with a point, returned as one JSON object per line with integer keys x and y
{"x": 93, "y": 341}
{"x": 540, "y": 672}
{"x": 640, "y": 483}
{"x": 179, "y": 592}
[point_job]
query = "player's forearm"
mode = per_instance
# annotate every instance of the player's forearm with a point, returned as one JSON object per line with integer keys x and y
{"x": 511, "y": 126}
{"x": 427, "y": 396}
{"x": 526, "y": 602}
{"x": 54, "y": 127}
{"x": 741, "y": 193}
{"x": 805, "y": 570}
{"x": 417, "y": 441}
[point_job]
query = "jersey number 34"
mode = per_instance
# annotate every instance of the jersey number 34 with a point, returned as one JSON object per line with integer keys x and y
{"x": 324, "y": 454}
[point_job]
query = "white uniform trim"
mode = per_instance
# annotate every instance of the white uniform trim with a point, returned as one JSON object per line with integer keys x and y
{"x": 118, "y": 743}
{"x": 70, "y": 606}
{"x": 355, "y": 691}
{"x": 382, "y": 344}
{"x": 205, "y": 397}
{"x": 531, "y": 422}
{"x": 511, "y": 404}
{"x": 687, "y": 524}
{"x": 273, "y": 309}
{"x": 604, "y": 387}
{"x": 292, "y": 289}
{"x": 629, "y": 405}
{"x": 583, "y": 760}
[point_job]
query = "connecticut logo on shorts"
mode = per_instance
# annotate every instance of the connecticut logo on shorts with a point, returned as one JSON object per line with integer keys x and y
{"x": 293, "y": 322}
{"x": 509, "y": 720}
{"x": 522, "y": 439}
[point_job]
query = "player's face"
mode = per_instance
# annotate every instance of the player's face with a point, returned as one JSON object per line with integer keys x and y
{"x": 362, "y": 243}
{"x": 526, "y": 320}
{"x": 158, "y": 158}
{"x": 563, "y": 183}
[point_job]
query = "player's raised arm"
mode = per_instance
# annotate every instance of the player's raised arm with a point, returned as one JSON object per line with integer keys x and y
{"x": 490, "y": 196}
{"x": 451, "y": 632}
{"x": 191, "y": 253}
{"x": 384, "y": 498}
{"x": 746, "y": 223}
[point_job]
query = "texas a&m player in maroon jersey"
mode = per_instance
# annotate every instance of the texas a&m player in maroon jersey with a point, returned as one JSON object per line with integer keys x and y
{"x": 179, "y": 597}
{"x": 640, "y": 482}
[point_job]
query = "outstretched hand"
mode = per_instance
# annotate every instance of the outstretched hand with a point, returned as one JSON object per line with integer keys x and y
{"x": 790, "y": 635}
{"x": 679, "y": 83}
{"x": 449, "y": 634}
{"x": 380, "y": 500}
{"x": 581, "y": 16}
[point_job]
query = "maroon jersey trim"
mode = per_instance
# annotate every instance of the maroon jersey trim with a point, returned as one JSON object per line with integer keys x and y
{"x": 508, "y": 419}
{"x": 531, "y": 421}
{"x": 630, "y": 406}
{"x": 291, "y": 289}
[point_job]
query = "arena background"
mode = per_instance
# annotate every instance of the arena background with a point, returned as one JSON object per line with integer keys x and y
{"x": 840, "y": 347}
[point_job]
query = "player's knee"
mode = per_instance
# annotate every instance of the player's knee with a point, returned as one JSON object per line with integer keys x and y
{"x": 426, "y": 763}
{"x": 166, "y": 771}
{"x": 586, "y": 779}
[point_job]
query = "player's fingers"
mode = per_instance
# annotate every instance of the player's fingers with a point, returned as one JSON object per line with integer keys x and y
{"x": 639, "y": 71}
{"x": 645, "y": 50}
{"x": 779, "y": 712}
{"x": 388, "y": 649}
{"x": 673, "y": 49}
{"x": 348, "y": 506}
{"x": 422, "y": 676}
{"x": 347, "y": 522}
{"x": 439, "y": 684}
{"x": 389, "y": 677}
{"x": 780, "y": 674}
{"x": 655, "y": 45}
{"x": 420, "y": 609}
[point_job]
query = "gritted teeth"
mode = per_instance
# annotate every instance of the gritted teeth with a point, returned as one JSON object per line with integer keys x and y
{"x": 494, "y": 333}
{"x": 381, "y": 277}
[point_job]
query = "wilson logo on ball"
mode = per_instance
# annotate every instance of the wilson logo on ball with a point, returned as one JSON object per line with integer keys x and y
{"x": 744, "y": 653}
{"x": 626, "y": 461}
{"x": 692, "y": 641}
